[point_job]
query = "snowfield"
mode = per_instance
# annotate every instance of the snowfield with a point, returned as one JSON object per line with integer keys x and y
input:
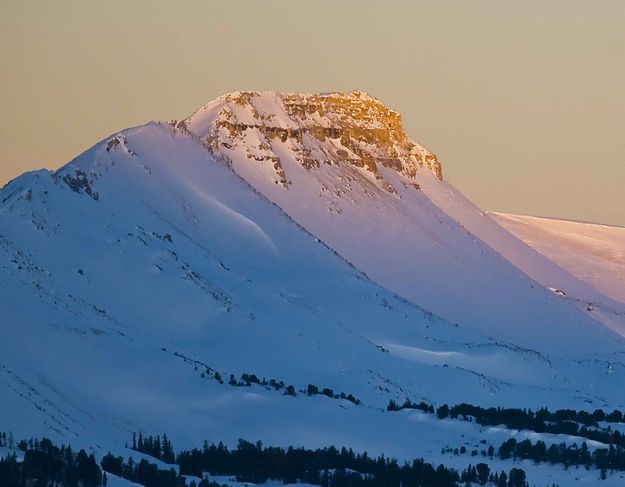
{"x": 593, "y": 253}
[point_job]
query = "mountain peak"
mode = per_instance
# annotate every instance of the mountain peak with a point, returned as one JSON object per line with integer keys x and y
{"x": 351, "y": 128}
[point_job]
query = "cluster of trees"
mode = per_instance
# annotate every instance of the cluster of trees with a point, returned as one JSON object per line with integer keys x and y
{"x": 462, "y": 450}
{"x": 408, "y": 404}
{"x": 612, "y": 458}
{"x": 329, "y": 467}
{"x": 562, "y": 421}
{"x": 148, "y": 474}
{"x": 155, "y": 447}
{"x": 481, "y": 474}
{"x": 197, "y": 364}
{"x": 526, "y": 418}
{"x": 46, "y": 464}
{"x": 313, "y": 390}
{"x": 247, "y": 380}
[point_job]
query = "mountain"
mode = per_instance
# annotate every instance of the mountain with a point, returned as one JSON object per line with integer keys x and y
{"x": 342, "y": 166}
{"x": 275, "y": 240}
{"x": 593, "y": 253}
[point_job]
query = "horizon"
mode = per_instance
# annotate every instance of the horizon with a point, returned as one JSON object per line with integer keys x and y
{"x": 522, "y": 103}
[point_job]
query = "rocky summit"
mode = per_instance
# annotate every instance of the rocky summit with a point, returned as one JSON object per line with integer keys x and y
{"x": 331, "y": 128}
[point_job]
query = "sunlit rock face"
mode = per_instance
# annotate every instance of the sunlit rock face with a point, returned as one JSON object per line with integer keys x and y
{"x": 334, "y": 128}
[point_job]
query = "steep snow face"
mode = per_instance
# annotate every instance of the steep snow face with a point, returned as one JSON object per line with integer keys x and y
{"x": 555, "y": 269}
{"x": 593, "y": 253}
{"x": 342, "y": 167}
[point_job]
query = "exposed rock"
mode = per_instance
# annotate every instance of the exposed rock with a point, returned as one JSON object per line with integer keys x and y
{"x": 352, "y": 128}
{"x": 79, "y": 182}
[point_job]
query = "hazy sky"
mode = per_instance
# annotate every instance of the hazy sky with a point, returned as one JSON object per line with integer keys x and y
{"x": 523, "y": 101}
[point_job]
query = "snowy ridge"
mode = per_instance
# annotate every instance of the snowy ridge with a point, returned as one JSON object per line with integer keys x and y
{"x": 593, "y": 253}
{"x": 600, "y": 302}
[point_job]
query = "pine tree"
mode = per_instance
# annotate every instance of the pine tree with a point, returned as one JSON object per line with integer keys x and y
{"x": 156, "y": 451}
{"x": 167, "y": 450}
{"x": 482, "y": 473}
{"x": 517, "y": 478}
{"x": 443, "y": 411}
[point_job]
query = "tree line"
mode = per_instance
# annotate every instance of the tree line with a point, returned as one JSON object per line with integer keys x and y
{"x": 331, "y": 467}
{"x": 148, "y": 474}
{"x": 45, "y": 464}
{"x": 604, "y": 459}
{"x": 248, "y": 379}
{"x": 155, "y": 447}
{"x": 561, "y": 421}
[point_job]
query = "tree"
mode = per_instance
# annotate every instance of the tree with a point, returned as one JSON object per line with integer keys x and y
{"x": 507, "y": 449}
{"x": 167, "y": 451}
{"x": 517, "y": 478}
{"x": 483, "y": 472}
{"x": 443, "y": 411}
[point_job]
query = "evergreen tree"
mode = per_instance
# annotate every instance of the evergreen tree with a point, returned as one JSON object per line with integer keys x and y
{"x": 483, "y": 471}
{"x": 516, "y": 478}
{"x": 443, "y": 411}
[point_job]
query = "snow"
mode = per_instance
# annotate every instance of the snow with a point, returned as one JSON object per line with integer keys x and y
{"x": 113, "y": 307}
{"x": 232, "y": 482}
{"x": 115, "y": 481}
{"x": 593, "y": 253}
{"x": 549, "y": 269}
{"x": 429, "y": 256}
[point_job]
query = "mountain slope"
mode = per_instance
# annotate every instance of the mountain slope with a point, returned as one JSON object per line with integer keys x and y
{"x": 593, "y": 253}
{"x": 375, "y": 197}
{"x": 551, "y": 271}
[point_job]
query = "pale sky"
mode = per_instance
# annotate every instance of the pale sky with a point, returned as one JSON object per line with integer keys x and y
{"x": 523, "y": 101}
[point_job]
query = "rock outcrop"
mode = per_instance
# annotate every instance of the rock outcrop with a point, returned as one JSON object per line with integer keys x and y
{"x": 334, "y": 128}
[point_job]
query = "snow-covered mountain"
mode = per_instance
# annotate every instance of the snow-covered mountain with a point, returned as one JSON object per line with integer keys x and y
{"x": 342, "y": 166}
{"x": 593, "y": 253}
{"x": 300, "y": 238}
